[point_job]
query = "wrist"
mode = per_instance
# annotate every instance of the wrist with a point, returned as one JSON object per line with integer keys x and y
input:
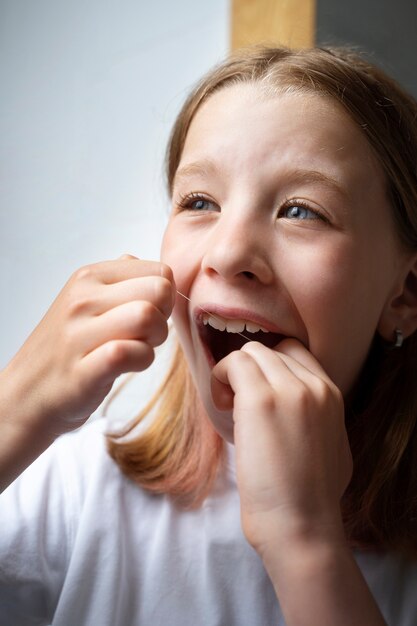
{"x": 317, "y": 580}
{"x": 293, "y": 525}
{"x": 22, "y": 403}
{"x": 309, "y": 546}
{"x": 24, "y": 435}
{"x": 299, "y": 538}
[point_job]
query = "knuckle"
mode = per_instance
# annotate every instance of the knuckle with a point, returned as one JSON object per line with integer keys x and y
{"x": 338, "y": 396}
{"x": 250, "y": 347}
{"x": 166, "y": 272}
{"x": 163, "y": 334}
{"x": 328, "y": 394}
{"x": 322, "y": 391}
{"x": 304, "y": 398}
{"x": 163, "y": 293}
{"x": 268, "y": 403}
{"x": 127, "y": 257}
{"x": 235, "y": 357}
{"x": 124, "y": 356}
{"x": 83, "y": 273}
{"x": 157, "y": 335}
{"x": 116, "y": 354}
{"x": 145, "y": 359}
{"x": 78, "y": 305}
{"x": 143, "y": 313}
{"x": 144, "y": 320}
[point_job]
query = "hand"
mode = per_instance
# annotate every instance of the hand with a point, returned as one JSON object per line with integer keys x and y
{"x": 292, "y": 453}
{"x": 107, "y": 320}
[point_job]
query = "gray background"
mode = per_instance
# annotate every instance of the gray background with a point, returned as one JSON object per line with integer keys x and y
{"x": 88, "y": 93}
{"x": 386, "y": 29}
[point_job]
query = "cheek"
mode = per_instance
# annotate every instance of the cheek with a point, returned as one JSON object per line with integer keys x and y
{"x": 320, "y": 280}
{"x": 339, "y": 305}
{"x": 167, "y": 245}
{"x": 179, "y": 256}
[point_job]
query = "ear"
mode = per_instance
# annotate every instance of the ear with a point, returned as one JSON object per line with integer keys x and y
{"x": 400, "y": 311}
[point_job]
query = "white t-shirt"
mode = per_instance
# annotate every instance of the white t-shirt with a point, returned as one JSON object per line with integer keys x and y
{"x": 81, "y": 545}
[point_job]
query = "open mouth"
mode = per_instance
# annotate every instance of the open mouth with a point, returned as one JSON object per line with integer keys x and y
{"x": 222, "y": 336}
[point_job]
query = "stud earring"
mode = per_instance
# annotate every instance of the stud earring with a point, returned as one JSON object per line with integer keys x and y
{"x": 399, "y": 338}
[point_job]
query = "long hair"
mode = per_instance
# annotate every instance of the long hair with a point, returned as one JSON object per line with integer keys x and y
{"x": 380, "y": 504}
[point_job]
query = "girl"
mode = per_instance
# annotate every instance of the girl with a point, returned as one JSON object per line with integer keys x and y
{"x": 276, "y": 480}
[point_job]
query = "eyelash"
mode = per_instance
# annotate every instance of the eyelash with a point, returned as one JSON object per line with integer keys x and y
{"x": 288, "y": 203}
{"x": 185, "y": 202}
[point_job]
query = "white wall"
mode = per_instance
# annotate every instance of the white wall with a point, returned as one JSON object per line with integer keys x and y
{"x": 89, "y": 91}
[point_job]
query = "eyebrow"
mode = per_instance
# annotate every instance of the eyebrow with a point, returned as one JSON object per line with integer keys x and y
{"x": 207, "y": 168}
{"x": 315, "y": 176}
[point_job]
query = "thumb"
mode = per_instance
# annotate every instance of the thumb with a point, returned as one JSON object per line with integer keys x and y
{"x": 221, "y": 391}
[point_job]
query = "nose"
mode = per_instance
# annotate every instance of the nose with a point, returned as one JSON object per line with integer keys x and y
{"x": 237, "y": 249}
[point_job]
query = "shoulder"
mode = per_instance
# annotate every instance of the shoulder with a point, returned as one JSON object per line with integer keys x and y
{"x": 41, "y": 516}
{"x": 84, "y": 469}
{"x": 71, "y": 461}
{"x": 41, "y": 510}
{"x": 49, "y": 494}
{"x": 81, "y": 454}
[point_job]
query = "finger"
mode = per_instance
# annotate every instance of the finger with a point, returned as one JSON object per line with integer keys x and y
{"x": 108, "y": 361}
{"x": 133, "y": 320}
{"x": 109, "y": 272}
{"x": 256, "y": 407}
{"x": 247, "y": 382}
{"x": 269, "y": 359}
{"x": 294, "y": 351}
{"x": 304, "y": 393}
{"x": 316, "y": 381}
{"x": 157, "y": 290}
{"x": 222, "y": 394}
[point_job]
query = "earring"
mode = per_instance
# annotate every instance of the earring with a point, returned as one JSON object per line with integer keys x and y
{"x": 399, "y": 338}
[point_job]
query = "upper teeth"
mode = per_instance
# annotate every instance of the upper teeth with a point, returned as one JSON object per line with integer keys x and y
{"x": 231, "y": 326}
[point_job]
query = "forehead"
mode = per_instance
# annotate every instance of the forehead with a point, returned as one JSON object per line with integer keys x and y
{"x": 239, "y": 111}
{"x": 245, "y": 129}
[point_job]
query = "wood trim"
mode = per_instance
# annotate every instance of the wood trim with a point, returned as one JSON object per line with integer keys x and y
{"x": 285, "y": 22}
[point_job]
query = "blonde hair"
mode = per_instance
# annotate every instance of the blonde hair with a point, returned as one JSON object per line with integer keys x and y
{"x": 179, "y": 454}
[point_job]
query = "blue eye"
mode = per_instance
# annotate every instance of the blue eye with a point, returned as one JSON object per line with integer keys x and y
{"x": 299, "y": 212}
{"x": 196, "y": 202}
{"x": 199, "y": 205}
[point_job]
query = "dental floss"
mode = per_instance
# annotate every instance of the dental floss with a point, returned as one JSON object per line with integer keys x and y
{"x": 215, "y": 316}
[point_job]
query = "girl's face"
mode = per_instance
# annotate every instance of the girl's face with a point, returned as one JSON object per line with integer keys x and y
{"x": 280, "y": 220}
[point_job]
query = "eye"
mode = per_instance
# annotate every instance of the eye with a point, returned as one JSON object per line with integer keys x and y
{"x": 300, "y": 213}
{"x": 297, "y": 210}
{"x": 197, "y": 202}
